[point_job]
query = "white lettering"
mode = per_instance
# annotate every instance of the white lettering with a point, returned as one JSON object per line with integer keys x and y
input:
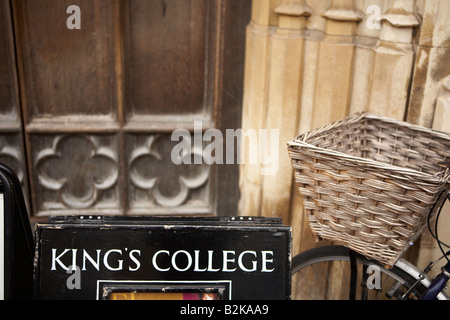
{"x": 135, "y": 260}
{"x": 193, "y": 310}
{"x": 155, "y": 256}
{"x": 56, "y": 259}
{"x": 265, "y": 260}
{"x": 247, "y": 261}
{"x": 196, "y": 263}
{"x": 210, "y": 262}
{"x": 241, "y": 265}
{"x": 74, "y": 259}
{"x": 226, "y": 260}
{"x": 96, "y": 264}
{"x": 165, "y": 260}
{"x": 106, "y": 263}
{"x": 189, "y": 259}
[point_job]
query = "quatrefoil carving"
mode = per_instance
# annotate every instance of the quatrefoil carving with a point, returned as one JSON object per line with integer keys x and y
{"x": 77, "y": 167}
{"x": 152, "y": 169}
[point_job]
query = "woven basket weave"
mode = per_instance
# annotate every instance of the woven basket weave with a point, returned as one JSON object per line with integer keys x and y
{"x": 369, "y": 182}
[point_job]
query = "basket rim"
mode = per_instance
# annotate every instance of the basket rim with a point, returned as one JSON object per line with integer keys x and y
{"x": 301, "y": 141}
{"x": 365, "y": 115}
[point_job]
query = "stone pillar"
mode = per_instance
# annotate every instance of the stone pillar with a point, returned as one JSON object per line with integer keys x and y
{"x": 441, "y": 119}
{"x": 254, "y": 113}
{"x": 394, "y": 58}
{"x": 285, "y": 80}
{"x": 432, "y": 60}
{"x": 335, "y": 63}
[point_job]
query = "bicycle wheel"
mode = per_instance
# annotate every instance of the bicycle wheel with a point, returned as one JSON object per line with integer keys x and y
{"x": 323, "y": 273}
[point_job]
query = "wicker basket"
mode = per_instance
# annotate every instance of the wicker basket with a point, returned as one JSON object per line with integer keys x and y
{"x": 369, "y": 182}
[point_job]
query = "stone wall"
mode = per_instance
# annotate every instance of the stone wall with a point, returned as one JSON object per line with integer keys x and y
{"x": 312, "y": 62}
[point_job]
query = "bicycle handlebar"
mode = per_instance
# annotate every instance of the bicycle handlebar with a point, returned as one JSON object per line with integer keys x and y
{"x": 438, "y": 284}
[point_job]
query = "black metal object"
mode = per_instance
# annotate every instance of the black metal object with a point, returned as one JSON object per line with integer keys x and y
{"x": 95, "y": 257}
{"x": 17, "y": 239}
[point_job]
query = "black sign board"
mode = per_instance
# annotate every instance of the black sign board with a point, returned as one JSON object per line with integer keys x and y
{"x": 97, "y": 257}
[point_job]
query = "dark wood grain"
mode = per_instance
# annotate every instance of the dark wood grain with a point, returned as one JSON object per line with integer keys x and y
{"x": 99, "y": 103}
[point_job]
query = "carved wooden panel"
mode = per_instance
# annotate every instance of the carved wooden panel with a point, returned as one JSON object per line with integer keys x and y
{"x": 74, "y": 172}
{"x": 67, "y": 73}
{"x": 11, "y": 153}
{"x": 8, "y": 81}
{"x": 11, "y": 139}
{"x": 100, "y": 102}
{"x": 157, "y": 184}
{"x": 169, "y": 56}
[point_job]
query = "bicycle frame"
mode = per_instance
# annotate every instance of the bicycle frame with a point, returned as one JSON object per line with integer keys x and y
{"x": 416, "y": 273}
{"x": 438, "y": 283}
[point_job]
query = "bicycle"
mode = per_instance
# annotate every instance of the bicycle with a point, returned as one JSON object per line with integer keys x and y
{"x": 369, "y": 183}
{"x": 403, "y": 281}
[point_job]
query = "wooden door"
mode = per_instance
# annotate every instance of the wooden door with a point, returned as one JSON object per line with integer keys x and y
{"x": 103, "y": 84}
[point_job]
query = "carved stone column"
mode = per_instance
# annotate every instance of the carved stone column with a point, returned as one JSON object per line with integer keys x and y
{"x": 367, "y": 36}
{"x": 432, "y": 60}
{"x": 393, "y": 61}
{"x": 335, "y": 63}
{"x": 262, "y": 25}
{"x": 285, "y": 89}
{"x": 442, "y": 113}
